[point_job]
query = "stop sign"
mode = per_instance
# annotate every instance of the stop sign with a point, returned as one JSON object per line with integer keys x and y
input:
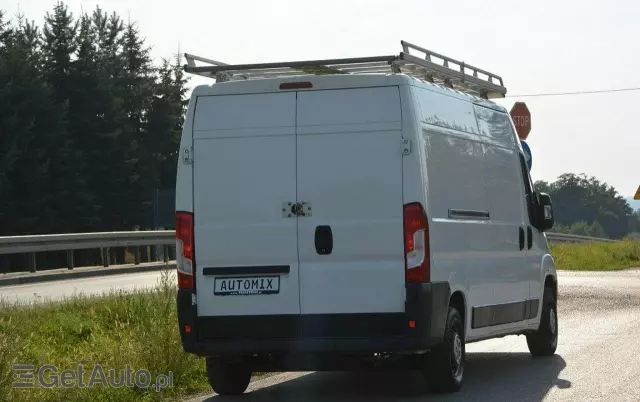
{"x": 521, "y": 119}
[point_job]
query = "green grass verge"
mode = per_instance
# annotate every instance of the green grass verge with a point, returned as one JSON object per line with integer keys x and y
{"x": 136, "y": 329}
{"x": 596, "y": 256}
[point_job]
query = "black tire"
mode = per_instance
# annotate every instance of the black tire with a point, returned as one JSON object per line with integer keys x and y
{"x": 544, "y": 341}
{"x": 444, "y": 365}
{"x": 226, "y": 377}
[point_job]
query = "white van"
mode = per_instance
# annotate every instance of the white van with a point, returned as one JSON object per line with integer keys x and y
{"x": 369, "y": 217}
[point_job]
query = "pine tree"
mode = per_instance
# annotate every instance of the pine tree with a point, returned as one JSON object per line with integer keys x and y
{"x": 166, "y": 120}
{"x": 108, "y": 150}
{"x": 4, "y": 30}
{"x": 159, "y": 125}
{"x": 59, "y": 46}
{"x": 137, "y": 89}
{"x": 179, "y": 102}
{"x": 73, "y": 201}
{"x": 83, "y": 115}
{"x": 30, "y": 127}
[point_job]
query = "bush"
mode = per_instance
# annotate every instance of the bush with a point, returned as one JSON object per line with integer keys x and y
{"x": 582, "y": 228}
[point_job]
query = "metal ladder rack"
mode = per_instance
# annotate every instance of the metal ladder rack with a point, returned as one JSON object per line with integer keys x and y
{"x": 463, "y": 77}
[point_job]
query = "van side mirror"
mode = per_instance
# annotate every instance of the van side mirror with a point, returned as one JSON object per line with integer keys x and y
{"x": 545, "y": 212}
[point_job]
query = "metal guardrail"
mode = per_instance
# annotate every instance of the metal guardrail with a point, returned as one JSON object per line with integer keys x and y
{"x": 82, "y": 241}
{"x": 107, "y": 240}
{"x": 569, "y": 238}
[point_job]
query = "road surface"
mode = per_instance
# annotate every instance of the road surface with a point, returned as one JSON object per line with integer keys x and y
{"x": 597, "y": 357}
{"x": 57, "y": 290}
{"x": 596, "y": 360}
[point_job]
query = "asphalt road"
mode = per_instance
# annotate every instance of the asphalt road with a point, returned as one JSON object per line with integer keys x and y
{"x": 596, "y": 360}
{"x": 57, "y": 290}
{"x": 597, "y": 357}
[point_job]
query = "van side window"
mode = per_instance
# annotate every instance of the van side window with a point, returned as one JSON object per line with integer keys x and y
{"x": 495, "y": 125}
{"x": 528, "y": 189}
{"x": 445, "y": 111}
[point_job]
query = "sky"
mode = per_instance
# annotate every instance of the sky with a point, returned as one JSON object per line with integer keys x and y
{"x": 536, "y": 47}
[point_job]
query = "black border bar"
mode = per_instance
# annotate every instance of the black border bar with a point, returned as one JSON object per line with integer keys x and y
{"x": 247, "y": 270}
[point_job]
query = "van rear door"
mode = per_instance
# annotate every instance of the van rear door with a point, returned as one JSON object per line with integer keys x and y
{"x": 244, "y": 172}
{"x": 349, "y": 167}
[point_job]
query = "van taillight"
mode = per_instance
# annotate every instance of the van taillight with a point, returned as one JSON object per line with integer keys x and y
{"x": 416, "y": 244}
{"x": 185, "y": 249}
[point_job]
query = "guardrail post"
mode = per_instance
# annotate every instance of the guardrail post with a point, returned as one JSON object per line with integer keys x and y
{"x": 69, "y": 259}
{"x": 32, "y": 262}
{"x": 105, "y": 256}
{"x": 136, "y": 255}
{"x": 165, "y": 253}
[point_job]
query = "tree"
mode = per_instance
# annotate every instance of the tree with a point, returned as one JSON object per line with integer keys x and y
{"x": 73, "y": 202}
{"x": 634, "y": 224}
{"x": 579, "y": 198}
{"x": 166, "y": 121}
{"x": 136, "y": 88}
{"x": 31, "y": 124}
{"x": 542, "y": 186}
{"x": 4, "y": 30}
{"x": 582, "y": 229}
{"x": 58, "y": 48}
{"x": 84, "y": 109}
{"x": 105, "y": 146}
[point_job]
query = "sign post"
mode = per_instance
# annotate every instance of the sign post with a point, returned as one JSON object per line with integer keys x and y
{"x": 521, "y": 119}
{"x": 527, "y": 154}
{"x": 637, "y": 196}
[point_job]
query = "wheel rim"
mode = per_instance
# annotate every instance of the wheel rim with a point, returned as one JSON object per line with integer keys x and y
{"x": 553, "y": 325}
{"x": 457, "y": 349}
{"x": 456, "y": 355}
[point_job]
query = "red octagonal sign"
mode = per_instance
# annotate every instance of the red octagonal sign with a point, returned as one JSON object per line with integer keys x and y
{"x": 521, "y": 119}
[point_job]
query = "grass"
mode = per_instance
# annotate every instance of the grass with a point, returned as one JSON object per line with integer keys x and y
{"x": 119, "y": 329}
{"x": 596, "y": 256}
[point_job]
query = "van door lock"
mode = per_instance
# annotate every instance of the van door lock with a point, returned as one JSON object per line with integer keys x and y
{"x": 296, "y": 209}
{"x": 291, "y": 209}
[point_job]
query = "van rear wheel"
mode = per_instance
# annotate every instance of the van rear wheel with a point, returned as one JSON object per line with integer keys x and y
{"x": 227, "y": 377}
{"x": 444, "y": 365}
{"x": 544, "y": 341}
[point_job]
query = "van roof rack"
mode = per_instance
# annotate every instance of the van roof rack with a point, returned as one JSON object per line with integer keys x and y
{"x": 463, "y": 77}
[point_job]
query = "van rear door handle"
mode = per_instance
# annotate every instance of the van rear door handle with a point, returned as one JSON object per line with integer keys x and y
{"x": 521, "y": 237}
{"x": 324, "y": 240}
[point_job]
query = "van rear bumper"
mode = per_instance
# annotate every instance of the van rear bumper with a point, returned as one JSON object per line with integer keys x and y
{"x": 426, "y": 308}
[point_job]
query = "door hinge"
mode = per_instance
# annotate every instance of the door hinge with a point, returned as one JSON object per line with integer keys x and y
{"x": 406, "y": 146}
{"x": 187, "y": 156}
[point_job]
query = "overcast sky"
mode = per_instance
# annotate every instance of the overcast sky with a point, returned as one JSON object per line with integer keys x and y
{"x": 537, "y": 47}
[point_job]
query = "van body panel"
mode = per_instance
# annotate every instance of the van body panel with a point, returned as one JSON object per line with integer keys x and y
{"x": 184, "y": 170}
{"x": 504, "y": 191}
{"x": 245, "y": 169}
{"x": 457, "y": 196}
{"x": 360, "y": 202}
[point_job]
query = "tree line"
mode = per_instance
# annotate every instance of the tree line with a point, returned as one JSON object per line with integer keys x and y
{"x": 89, "y": 125}
{"x": 584, "y": 205}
